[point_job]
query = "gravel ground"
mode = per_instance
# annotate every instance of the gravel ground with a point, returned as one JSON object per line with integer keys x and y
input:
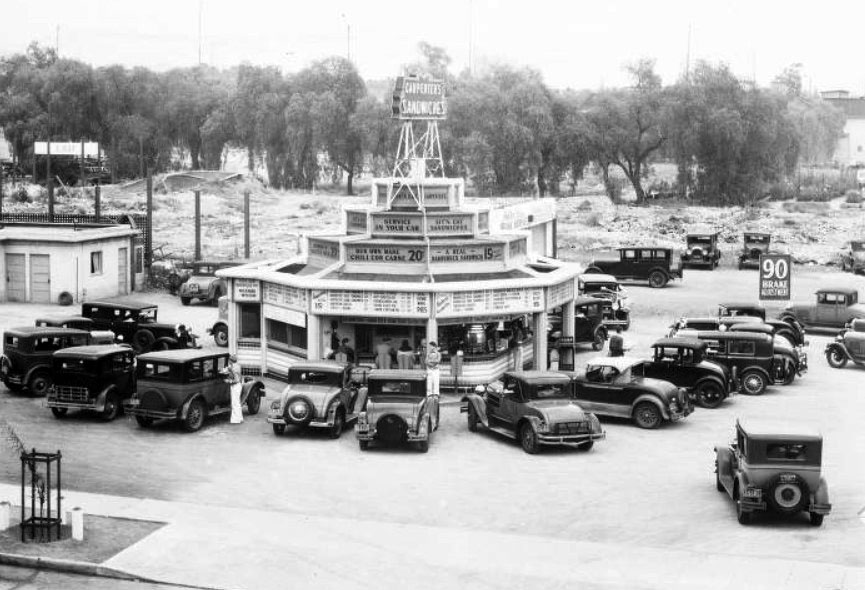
{"x": 637, "y": 488}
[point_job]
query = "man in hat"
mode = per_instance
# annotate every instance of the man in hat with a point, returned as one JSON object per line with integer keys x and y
{"x": 433, "y": 373}
{"x": 235, "y": 382}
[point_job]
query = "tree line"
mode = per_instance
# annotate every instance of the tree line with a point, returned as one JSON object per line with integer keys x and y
{"x": 507, "y": 131}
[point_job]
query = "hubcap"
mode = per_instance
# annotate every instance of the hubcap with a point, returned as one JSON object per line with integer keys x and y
{"x": 753, "y": 383}
{"x": 788, "y": 495}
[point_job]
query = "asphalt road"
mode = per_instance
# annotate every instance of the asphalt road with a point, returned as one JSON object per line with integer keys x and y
{"x": 637, "y": 488}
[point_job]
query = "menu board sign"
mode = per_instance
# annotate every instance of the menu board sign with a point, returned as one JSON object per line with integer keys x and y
{"x": 285, "y": 296}
{"x": 489, "y": 301}
{"x": 377, "y": 253}
{"x": 323, "y": 252}
{"x": 355, "y": 222}
{"x": 450, "y": 224}
{"x": 247, "y": 290}
{"x": 390, "y": 223}
{"x": 401, "y": 224}
{"x": 387, "y": 303}
{"x": 467, "y": 253}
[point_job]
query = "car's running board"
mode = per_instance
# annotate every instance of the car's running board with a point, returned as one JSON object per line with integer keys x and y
{"x": 502, "y": 430}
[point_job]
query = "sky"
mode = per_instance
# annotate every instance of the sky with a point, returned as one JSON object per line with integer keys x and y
{"x": 574, "y": 44}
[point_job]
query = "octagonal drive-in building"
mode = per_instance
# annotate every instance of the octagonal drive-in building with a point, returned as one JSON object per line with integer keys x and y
{"x": 416, "y": 264}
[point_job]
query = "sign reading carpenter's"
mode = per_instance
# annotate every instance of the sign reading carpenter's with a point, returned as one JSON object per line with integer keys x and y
{"x": 417, "y": 98}
{"x": 775, "y": 276}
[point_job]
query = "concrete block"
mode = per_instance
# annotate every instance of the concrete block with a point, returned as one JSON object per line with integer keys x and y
{"x": 76, "y": 521}
{"x": 5, "y": 515}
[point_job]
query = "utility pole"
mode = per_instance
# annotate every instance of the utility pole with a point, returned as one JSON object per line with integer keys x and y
{"x": 199, "y": 31}
{"x": 471, "y": 40}
{"x": 246, "y": 224}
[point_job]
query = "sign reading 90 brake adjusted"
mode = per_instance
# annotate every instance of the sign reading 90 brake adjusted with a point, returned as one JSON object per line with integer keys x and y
{"x": 775, "y": 270}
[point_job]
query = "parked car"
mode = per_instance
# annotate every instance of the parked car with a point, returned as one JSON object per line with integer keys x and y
{"x": 397, "y": 409}
{"x": 848, "y": 346}
{"x": 135, "y": 323}
{"x": 682, "y": 362}
{"x": 534, "y": 407}
{"x": 750, "y": 357}
{"x": 319, "y": 394}
{"x": 754, "y": 245}
{"x": 790, "y": 329}
{"x": 853, "y": 256}
{"x": 98, "y": 378}
{"x": 775, "y": 468}
{"x": 614, "y": 386}
{"x": 187, "y": 385}
{"x": 794, "y": 359}
{"x": 833, "y": 309}
{"x": 701, "y": 248}
{"x": 219, "y": 330}
{"x": 617, "y": 314}
{"x": 684, "y": 326}
{"x": 588, "y": 325}
{"x": 203, "y": 284}
{"x": 78, "y": 323}
{"x": 26, "y": 360}
{"x": 658, "y": 266}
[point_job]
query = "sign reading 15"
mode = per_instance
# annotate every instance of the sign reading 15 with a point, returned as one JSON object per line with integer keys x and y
{"x": 775, "y": 269}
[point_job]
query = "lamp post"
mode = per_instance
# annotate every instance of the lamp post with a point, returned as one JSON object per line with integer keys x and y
{"x": 347, "y": 37}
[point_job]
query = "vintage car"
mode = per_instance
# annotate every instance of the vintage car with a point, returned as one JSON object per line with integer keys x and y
{"x": 853, "y": 256}
{"x": 187, "y": 385}
{"x": 219, "y": 330}
{"x": 65, "y": 321}
{"x": 203, "y": 284}
{"x": 849, "y": 345}
{"x": 588, "y": 325}
{"x": 617, "y": 314}
{"x": 682, "y": 362}
{"x": 135, "y": 323}
{"x": 99, "y": 378}
{"x": 773, "y": 467}
{"x": 614, "y": 386}
{"x": 656, "y": 265}
{"x": 749, "y": 356}
{"x": 534, "y": 407}
{"x": 683, "y": 326}
{"x": 789, "y": 328}
{"x": 397, "y": 409}
{"x": 701, "y": 248}
{"x": 795, "y": 359}
{"x": 26, "y": 360}
{"x": 833, "y": 309}
{"x": 320, "y": 394}
{"x": 754, "y": 245}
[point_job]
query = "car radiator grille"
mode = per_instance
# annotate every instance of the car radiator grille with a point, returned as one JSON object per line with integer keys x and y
{"x": 66, "y": 393}
{"x": 572, "y": 428}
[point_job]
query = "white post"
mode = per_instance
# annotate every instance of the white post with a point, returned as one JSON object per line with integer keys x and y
{"x": 76, "y": 520}
{"x": 5, "y": 515}
{"x": 540, "y": 361}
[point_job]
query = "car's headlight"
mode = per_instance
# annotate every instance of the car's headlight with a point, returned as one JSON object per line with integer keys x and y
{"x": 274, "y": 405}
{"x": 543, "y": 427}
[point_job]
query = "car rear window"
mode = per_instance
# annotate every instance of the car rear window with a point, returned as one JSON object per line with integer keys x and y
{"x": 787, "y": 452}
{"x": 398, "y": 388}
{"x": 11, "y": 341}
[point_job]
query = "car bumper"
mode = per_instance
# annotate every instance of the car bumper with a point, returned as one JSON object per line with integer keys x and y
{"x": 749, "y": 263}
{"x": 279, "y": 419}
{"x": 134, "y": 409}
{"x": 410, "y": 436}
{"x": 13, "y": 379}
{"x": 820, "y": 508}
{"x": 750, "y": 504}
{"x": 568, "y": 439}
{"x": 52, "y": 403}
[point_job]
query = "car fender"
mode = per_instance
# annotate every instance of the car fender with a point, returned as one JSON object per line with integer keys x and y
{"x": 662, "y": 269}
{"x": 99, "y": 404}
{"x": 838, "y": 347}
{"x": 480, "y": 406}
{"x": 217, "y": 285}
{"x": 648, "y": 397}
{"x": 724, "y": 462}
{"x": 184, "y": 409}
{"x": 761, "y": 370}
{"x": 741, "y": 480}
{"x": 533, "y": 420}
{"x": 821, "y": 496}
{"x": 247, "y": 387}
{"x": 602, "y": 330}
{"x": 34, "y": 369}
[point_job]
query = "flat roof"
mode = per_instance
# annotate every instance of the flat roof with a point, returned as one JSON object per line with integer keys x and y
{"x": 540, "y": 376}
{"x": 62, "y": 232}
{"x": 92, "y": 352}
{"x": 683, "y": 342}
{"x": 742, "y": 305}
{"x": 122, "y": 304}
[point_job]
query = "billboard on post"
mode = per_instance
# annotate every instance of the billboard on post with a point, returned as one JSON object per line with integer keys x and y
{"x": 775, "y": 270}
{"x": 419, "y": 98}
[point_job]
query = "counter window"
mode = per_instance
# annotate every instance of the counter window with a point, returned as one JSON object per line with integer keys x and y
{"x": 250, "y": 320}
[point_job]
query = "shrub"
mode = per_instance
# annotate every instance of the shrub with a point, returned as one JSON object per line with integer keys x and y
{"x": 853, "y": 196}
{"x": 586, "y": 205}
{"x": 22, "y": 196}
{"x": 593, "y": 220}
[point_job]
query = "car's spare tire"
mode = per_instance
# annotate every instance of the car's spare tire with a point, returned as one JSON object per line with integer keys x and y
{"x": 788, "y": 493}
{"x": 391, "y": 428}
{"x": 696, "y": 252}
{"x": 755, "y": 253}
{"x": 299, "y": 410}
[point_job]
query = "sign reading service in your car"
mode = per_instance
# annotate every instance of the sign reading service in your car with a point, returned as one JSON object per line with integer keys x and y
{"x": 775, "y": 276}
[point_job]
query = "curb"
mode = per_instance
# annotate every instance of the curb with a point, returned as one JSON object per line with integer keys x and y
{"x": 83, "y": 568}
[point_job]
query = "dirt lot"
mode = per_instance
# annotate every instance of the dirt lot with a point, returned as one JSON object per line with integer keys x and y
{"x": 638, "y": 488}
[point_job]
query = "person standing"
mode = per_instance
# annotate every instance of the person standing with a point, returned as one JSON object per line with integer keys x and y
{"x": 235, "y": 382}
{"x": 420, "y": 354}
{"x": 433, "y": 372}
{"x": 404, "y": 356}
{"x": 383, "y": 354}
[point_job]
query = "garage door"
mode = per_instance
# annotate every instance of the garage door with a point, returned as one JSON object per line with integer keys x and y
{"x": 122, "y": 271}
{"x": 16, "y": 281}
{"x": 40, "y": 278}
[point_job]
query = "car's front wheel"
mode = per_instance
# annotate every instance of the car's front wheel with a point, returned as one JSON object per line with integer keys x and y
{"x": 220, "y": 336}
{"x": 112, "y": 407}
{"x": 647, "y": 415}
{"x": 144, "y": 421}
{"x": 59, "y": 412}
{"x": 836, "y": 358}
{"x": 472, "y": 418}
{"x": 185, "y": 300}
{"x": 39, "y": 384}
{"x": 529, "y": 439}
{"x": 195, "y": 416}
{"x": 338, "y": 424}
{"x": 710, "y": 394}
{"x": 363, "y": 444}
{"x": 657, "y": 279}
{"x": 753, "y": 382}
{"x": 253, "y": 401}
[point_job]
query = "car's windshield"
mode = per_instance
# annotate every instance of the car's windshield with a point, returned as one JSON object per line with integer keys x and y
{"x": 699, "y": 240}
{"x": 147, "y": 314}
{"x": 397, "y": 387}
{"x": 549, "y": 391}
{"x": 601, "y": 287}
{"x": 309, "y": 377}
{"x": 204, "y": 269}
{"x": 757, "y": 239}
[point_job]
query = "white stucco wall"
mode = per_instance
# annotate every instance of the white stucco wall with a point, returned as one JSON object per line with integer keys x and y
{"x": 851, "y": 147}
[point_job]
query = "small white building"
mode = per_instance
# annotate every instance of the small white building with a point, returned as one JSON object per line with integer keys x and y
{"x": 850, "y": 150}
{"x": 54, "y": 263}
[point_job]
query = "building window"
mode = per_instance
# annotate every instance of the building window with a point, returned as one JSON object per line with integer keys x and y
{"x": 250, "y": 320}
{"x": 96, "y": 263}
{"x": 286, "y": 334}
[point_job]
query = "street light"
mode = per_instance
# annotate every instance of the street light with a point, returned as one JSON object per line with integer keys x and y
{"x": 347, "y": 36}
